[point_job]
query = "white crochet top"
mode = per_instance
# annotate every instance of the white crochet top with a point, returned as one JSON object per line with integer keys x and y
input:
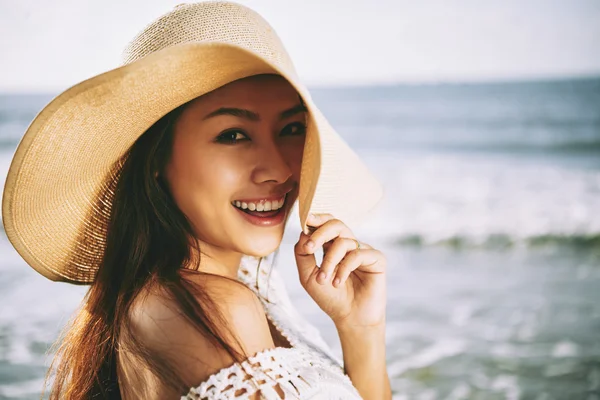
{"x": 307, "y": 370}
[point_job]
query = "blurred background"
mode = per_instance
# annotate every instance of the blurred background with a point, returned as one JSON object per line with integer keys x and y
{"x": 481, "y": 118}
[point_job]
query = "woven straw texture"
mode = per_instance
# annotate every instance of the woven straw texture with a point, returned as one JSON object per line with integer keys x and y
{"x": 59, "y": 187}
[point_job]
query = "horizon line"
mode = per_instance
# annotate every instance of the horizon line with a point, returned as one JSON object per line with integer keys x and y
{"x": 382, "y": 84}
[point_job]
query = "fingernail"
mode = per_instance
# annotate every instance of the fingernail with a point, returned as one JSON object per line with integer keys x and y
{"x": 336, "y": 282}
{"x": 310, "y": 244}
{"x": 321, "y": 277}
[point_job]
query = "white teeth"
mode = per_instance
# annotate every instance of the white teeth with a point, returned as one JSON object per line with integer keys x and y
{"x": 261, "y": 206}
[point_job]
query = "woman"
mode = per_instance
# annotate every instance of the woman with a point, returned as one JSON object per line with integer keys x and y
{"x": 164, "y": 183}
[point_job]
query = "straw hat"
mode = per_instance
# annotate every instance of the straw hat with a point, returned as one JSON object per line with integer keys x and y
{"x": 67, "y": 156}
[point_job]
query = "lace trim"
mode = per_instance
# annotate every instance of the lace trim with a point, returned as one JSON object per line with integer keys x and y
{"x": 262, "y": 372}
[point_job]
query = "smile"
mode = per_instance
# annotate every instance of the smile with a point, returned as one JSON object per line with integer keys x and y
{"x": 264, "y": 212}
{"x": 260, "y": 205}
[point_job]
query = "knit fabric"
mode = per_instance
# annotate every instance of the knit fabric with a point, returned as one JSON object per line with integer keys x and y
{"x": 307, "y": 370}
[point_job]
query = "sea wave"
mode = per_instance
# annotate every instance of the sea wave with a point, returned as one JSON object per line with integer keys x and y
{"x": 502, "y": 241}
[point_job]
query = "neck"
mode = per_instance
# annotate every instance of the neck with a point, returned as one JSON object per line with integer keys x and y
{"x": 215, "y": 260}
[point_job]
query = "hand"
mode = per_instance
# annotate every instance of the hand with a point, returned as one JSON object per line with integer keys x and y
{"x": 359, "y": 299}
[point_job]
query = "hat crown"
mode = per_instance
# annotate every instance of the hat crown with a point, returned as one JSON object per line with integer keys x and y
{"x": 213, "y": 21}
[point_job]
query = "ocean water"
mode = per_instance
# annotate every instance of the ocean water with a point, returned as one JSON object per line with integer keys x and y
{"x": 491, "y": 228}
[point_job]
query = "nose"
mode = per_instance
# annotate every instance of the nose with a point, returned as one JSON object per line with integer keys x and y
{"x": 271, "y": 165}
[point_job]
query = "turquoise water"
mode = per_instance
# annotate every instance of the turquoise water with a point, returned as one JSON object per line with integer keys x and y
{"x": 491, "y": 227}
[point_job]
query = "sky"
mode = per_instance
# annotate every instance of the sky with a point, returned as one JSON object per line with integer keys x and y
{"x": 51, "y": 45}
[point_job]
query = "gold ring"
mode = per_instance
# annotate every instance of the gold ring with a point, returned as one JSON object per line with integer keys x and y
{"x": 357, "y": 244}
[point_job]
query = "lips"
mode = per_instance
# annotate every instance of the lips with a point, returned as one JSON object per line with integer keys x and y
{"x": 269, "y": 211}
{"x": 263, "y": 218}
{"x": 262, "y": 205}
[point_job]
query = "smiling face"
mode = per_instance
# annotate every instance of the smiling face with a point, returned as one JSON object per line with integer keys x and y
{"x": 234, "y": 170}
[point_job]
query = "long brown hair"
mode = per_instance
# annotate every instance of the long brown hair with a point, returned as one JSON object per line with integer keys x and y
{"x": 147, "y": 242}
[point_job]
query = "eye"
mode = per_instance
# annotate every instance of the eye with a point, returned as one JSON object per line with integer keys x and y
{"x": 231, "y": 137}
{"x": 293, "y": 129}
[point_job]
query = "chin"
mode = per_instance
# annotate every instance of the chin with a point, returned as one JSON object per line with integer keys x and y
{"x": 262, "y": 247}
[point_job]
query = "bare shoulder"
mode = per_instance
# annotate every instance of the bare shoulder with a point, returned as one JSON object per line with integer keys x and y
{"x": 160, "y": 324}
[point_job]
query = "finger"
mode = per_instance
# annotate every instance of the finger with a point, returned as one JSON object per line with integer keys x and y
{"x": 336, "y": 253}
{"x": 328, "y": 231}
{"x": 367, "y": 260}
{"x": 314, "y": 220}
{"x": 318, "y": 219}
{"x": 306, "y": 262}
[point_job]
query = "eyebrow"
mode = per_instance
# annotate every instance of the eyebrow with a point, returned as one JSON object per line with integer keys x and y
{"x": 252, "y": 116}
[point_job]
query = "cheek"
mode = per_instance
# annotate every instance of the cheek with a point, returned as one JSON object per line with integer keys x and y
{"x": 292, "y": 152}
{"x": 203, "y": 182}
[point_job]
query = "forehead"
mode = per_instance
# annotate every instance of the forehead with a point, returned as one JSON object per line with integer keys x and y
{"x": 253, "y": 91}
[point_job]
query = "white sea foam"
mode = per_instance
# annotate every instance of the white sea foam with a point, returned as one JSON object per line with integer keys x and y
{"x": 565, "y": 348}
{"x": 441, "y": 196}
{"x": 30, "y": 388}
{"x": 443, "y": 348}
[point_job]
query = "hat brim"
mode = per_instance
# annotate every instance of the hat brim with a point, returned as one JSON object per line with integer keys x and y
{"x": 63, "y": 160}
